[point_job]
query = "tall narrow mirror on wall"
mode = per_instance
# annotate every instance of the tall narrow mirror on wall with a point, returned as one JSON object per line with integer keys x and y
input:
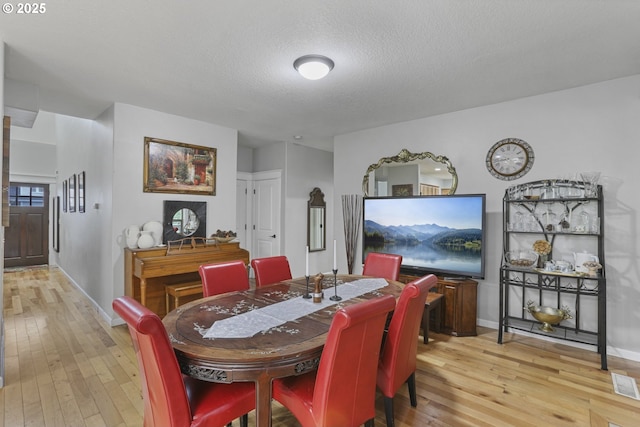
{"x": 410, "y": 174}
{"x": 316, "y": 218}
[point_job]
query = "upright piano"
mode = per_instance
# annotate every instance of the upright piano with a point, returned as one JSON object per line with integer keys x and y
{"x": 148, "y": 271}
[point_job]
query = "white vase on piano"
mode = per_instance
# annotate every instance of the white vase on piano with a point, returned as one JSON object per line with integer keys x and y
{"x": 146, "y": 240}
{"x": 131, "y": 235}
{"x": 156, "y": 229}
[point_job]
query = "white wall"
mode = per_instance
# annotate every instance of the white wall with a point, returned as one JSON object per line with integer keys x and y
{"x": 595, "y": 127}
{"x": 132, "y": 206}
{"x": 110, "y": 151}
{"x": 25, "y": 167}
{"x": 42, "y": 131}
{"x": 84, "y": 237}
{"x": 245, "y": 159}
{"x": 306, "y": 169}
{"x": 270, "y": 157}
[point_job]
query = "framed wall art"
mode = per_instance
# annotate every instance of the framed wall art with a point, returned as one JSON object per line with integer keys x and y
{"x": 402, "y": 190}
{"x": 72, "y": 193}
{"x": 6, "y": 125}
{"x": 56, "y": 224}
{"x": 65, "y": 195}
{"x": 81, "y": 191}
{"x": 175, "y": 167}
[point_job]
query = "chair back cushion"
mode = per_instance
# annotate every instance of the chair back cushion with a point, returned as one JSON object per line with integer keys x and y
{"x": 399, "y": 354}
{"x": 386, "y": 266}
{"x": 163, "y": 390}
{"x": 345, "y": 387}
{"x": 222, "y": 277}
{"x": 271, "y": 270}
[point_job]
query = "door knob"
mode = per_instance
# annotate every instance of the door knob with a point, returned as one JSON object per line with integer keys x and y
{"x": 274, "y": 236}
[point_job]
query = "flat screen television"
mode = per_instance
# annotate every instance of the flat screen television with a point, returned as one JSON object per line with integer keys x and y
{"x": 443, "y": 235}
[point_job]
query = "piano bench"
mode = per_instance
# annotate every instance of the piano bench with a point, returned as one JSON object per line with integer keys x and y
{"x": 432, "y": 303}
{"x": 180, "y": 290}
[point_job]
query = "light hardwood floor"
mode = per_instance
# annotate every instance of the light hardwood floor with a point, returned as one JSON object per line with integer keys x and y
{"x": 64, "y": 366}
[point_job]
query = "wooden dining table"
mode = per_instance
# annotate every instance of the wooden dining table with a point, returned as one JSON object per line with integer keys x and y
{"x": 292, "y": 347}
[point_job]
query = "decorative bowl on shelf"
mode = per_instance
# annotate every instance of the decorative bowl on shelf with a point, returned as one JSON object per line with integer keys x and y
{"x": 521, "y": 258}
{"x": 592, "y": 267}
{"x": 547, "y": 315}
{"x": 223, "y": 239}
{"x": 222, "y": 236}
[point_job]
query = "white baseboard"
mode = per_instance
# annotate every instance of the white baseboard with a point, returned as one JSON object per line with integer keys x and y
{"x": 611, "y": 351}
{"x": 110, "y": 321}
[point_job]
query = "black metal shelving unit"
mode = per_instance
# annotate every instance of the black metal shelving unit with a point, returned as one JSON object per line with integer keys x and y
{"x": 583, "y": 294}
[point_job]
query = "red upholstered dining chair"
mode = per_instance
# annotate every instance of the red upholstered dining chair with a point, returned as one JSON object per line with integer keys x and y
{"x": 271, "y": 270}
{"x": 398, "y": 361}
{"x": 386, "y": 266}
{"x": 170, "y": 398}
{"x": 342, "y": 391}
{"x": 221, "y": 277}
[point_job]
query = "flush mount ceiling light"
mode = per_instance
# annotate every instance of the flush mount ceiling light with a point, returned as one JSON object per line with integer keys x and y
{"x": 313, "y": 67}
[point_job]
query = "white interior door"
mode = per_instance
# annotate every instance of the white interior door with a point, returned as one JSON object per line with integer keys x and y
{"x": 266, "y": 207}
{"x": 243, "y": 213}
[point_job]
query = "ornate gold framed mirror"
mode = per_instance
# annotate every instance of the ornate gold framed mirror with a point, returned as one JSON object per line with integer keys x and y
{"x": 408, "y": 173}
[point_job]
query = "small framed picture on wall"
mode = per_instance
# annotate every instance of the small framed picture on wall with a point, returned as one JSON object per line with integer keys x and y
{"x": 55, "y": 230}
{"x": 81, "y": 191}
{"x": 72, "y": 193}
{"x": 65, "y": 195}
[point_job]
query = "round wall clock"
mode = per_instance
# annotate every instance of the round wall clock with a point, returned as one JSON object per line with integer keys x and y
{"x": 510, "y": 159}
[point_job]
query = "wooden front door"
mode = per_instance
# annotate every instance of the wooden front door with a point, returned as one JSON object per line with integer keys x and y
{"x": 26, "y": 238}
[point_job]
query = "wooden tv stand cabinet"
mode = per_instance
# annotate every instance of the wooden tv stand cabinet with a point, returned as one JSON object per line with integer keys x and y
{"x": 459, "y": 305}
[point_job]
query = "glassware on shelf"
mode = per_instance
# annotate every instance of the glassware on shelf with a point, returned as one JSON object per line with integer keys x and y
{"x": 550, "y": 220}
{"x": 531, "y": 222}
{"x": 565, "y": 221}
{"x": 591, "y": 183}
{"x": 515, "y": 192}
{"x": 549, "y": 191}
{"x": 518, "y": 221}
{"x": 564, "y": 190}
{"x": 583, "y": 225}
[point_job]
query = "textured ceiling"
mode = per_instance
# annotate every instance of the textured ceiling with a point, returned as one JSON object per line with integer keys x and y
{"x": 230, "y": 62}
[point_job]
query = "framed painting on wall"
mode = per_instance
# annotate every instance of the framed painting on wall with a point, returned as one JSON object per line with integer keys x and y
{"x": 175, "y": 167}
{"x": 72, "y": 193}
{"x": 6, "y": 125}
{"x": 81, "y": 192}
{"x": 65, "y": 195}
{"x": 56, "y": 224}
{"x": 402, "y": 190}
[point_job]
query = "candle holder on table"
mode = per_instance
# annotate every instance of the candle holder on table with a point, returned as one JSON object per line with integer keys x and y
{"x": 307, "y": 295}
{"x": 335, "y": 296}
{"x": 317, "y": 288}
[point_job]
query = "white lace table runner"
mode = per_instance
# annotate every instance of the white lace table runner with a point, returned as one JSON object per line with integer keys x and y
{"x": 250, "y": 323}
